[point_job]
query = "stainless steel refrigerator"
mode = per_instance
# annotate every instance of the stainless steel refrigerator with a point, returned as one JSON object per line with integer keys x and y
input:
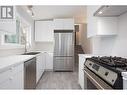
{"x": 63, "y": 50}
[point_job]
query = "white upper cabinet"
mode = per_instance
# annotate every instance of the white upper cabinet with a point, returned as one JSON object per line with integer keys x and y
{"x": 44, "y": 31}
{"x": 100, "y": 25}
{"x": 8, "y": 26}
{"x": 64, "y": 24}
{"x": 107, "y": 26}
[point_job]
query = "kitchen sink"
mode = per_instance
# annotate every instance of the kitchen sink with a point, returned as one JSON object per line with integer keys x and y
{"x": 30, "y": 53}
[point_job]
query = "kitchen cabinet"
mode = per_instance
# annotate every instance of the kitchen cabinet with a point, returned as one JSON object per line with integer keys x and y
{"x": 82, "y": 78}
{"x": 40, "y": 65}
{"x": 99, "y": 26}
{"x": 64, "y": 24}
{"x": 49, "y": 61}
{"x": 12, "y": 77}
{"x": 44, "y": 31}
{"x": 8, "y": 26}
{"x": 44, "y": 62}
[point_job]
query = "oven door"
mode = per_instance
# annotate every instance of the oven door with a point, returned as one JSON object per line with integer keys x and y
{"x": 92, "y": 81}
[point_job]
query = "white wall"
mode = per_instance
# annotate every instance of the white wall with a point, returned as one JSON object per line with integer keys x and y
{"x": 78, "y": 38}
{"x": 44, "y": 46}
{"x": 84, "y": 41}
{"x": 80, "y": 20}
{"x": 120, "y": 44}
{"x": 102, "y": 44}
{"x": 18, "y": 50}
{"x": 113, "y": 45}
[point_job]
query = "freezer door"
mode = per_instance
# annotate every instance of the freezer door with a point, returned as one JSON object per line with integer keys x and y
{"x": 64, "y": 44}
{"x": 63, "y": 63}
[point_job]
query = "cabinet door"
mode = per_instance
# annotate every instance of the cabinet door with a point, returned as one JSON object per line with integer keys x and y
{"x": 64, "y": 24}
{"x": 81, "y": 73}
{"x": 44, "y": 31}
{"x": 8, "y": 26}
{"x": 107, "y": 26}
{"x": 91, "y": 21}
{"x": 14, "y": 78}
{"x": 38, "y": 67}
{"x": 100, "y": 25}
{"x": 14, "y": 82}
{"x": 49, "y": 61}
{"x": 68, "y": 24}
{"x": 58, "y": 24}
{"x": 43, "y": 62}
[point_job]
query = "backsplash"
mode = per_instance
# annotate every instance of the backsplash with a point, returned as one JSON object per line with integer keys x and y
{"x": 44, "y": 46}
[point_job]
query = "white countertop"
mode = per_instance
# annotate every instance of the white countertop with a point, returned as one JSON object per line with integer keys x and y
{"x": 85, "y": 55}
{"x": 90, "y": 55}
{"x": 16, "y": 59}
{"x": 13, "y": 60}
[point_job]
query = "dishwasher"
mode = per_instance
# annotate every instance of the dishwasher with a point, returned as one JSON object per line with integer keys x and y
{"x": 30, "y": 74}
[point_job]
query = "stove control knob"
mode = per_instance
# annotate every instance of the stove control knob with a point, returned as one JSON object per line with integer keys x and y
{"x": 106, "y": 73}
{"x": 113, "y": 80}
{"x": 90, "y": 64}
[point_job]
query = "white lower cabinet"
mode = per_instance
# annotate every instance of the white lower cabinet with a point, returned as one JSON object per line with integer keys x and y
{"x": 44, "y": 61}
{"x": 40, "y": 65}
{"x": 81, "y": 73}
{"x": 49, "y": 61}
{"x": 12, "y": 78}
{"x": 82, "y": 79}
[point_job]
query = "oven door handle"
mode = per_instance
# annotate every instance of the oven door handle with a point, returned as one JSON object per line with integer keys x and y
{"x": 95, "y": 80}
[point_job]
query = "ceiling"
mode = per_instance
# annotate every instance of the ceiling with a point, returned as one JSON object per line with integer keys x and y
{"x": 50, "y": 12}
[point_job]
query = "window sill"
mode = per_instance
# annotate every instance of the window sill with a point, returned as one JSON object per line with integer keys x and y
{"x": 11, "y": 46}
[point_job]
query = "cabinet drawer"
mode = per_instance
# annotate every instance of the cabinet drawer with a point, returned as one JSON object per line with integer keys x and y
{"x": 9, "y": 72}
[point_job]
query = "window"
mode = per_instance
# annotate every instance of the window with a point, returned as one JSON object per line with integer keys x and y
{"x": 22, "y": 36}
{"x": 14, "y": 39}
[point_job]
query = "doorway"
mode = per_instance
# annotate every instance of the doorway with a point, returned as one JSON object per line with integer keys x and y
{"x": 77, "y": 34}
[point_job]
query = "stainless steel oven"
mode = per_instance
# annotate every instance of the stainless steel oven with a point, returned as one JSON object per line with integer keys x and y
{"x": 92, "y": 81}
{"x": 106, "y": 72}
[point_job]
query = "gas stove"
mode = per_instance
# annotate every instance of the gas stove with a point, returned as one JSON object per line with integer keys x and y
{"x": 116, "y": 63}
{"x": 108, "y": 68}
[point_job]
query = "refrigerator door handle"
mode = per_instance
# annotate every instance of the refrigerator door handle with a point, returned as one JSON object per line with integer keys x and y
{"x": 59, "y": 43}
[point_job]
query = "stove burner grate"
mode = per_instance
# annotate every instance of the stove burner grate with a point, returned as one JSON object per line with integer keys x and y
{"x": 111, "y": 61}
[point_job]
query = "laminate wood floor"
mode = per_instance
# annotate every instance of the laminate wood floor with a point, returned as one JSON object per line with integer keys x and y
{"x": 59, "y": 80}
